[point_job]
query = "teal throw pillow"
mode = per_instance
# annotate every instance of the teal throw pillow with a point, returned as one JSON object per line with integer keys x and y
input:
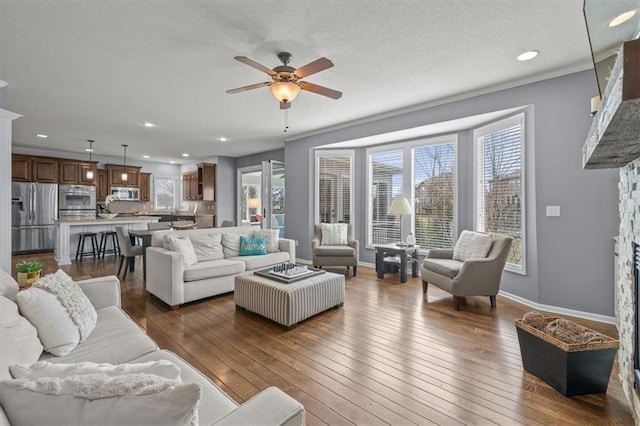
{"x": 252, "y": 246}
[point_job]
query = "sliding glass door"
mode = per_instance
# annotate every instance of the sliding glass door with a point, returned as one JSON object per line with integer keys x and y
{"x": 274, "y": 195}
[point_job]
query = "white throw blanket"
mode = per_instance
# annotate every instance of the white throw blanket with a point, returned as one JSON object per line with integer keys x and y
{"x": 73, "y": 299}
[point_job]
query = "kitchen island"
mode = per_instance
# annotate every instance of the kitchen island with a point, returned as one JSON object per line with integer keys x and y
{"x": 68, "y": 230}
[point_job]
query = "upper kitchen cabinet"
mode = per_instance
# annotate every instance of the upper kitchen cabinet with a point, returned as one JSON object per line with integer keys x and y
{"x": 115, "y": 171}
{"x": 190, "y": 186}
{"x": 75, "y": 172}
{"x": 102, "y": 184}
{"x": 145, "y": 186}
{"x": 206, "y": 182}
{"x": 20, "y": 168}
{"x": 29, "y": 168}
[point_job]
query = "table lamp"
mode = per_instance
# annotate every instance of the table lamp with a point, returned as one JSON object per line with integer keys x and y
{"x": 400, "y": 206}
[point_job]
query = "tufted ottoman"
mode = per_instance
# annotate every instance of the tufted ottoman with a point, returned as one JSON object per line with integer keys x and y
{"x": 288, "y": 304}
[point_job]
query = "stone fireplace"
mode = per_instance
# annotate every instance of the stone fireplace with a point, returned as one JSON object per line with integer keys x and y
{"x": 626, "y": 287}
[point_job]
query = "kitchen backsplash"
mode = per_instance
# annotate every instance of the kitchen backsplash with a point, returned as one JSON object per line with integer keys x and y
{"x": 204, "y": 207}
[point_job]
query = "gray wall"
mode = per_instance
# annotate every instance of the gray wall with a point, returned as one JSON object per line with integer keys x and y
{"x": 570, "y": 258}
{"x": 257, "y": 159}
{"x": 4, "y": 97}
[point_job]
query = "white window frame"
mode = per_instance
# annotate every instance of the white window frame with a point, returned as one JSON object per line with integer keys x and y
{"x": 514, "y": 120}
{"x": 408, "y": 189}
{"x": 176, "y": 194}
{"x": 239, "y": 172}
{"x": 316, "y": 173}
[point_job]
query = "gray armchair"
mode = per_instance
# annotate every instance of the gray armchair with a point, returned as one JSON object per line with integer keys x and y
{"x": 472, "y": 277}
{"x": 335, "y": 255}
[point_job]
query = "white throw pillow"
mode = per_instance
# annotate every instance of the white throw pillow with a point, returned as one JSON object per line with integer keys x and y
{"x": 272, "y": 238}
{"x": 472, "y": 245}
{"x": 36, "y": 402}
{"x": 161, "y": 368}
{"x": 60, "y": 311}
{"x": 8, "y": 286}
{"x": 18, "y": 338}
{"x": 231, "y": 242}
{"x": 184, "y": 247}
{"x": 207, "y": 247}
{"x": 334, "y": 234}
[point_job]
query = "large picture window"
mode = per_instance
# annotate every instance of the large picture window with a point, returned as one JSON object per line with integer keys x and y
{"x": 423, "y": 172}
{"x": 165, "y": 193}
{"x": 499, "y": 184}
{"x": 334, "y": 183}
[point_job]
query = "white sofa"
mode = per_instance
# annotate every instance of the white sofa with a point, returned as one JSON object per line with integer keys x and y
{"x": 117, "y": 339}
{"x": 173, "y": 283}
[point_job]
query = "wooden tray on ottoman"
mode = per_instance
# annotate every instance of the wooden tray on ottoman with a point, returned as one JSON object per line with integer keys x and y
{"x": 571, "y": 369}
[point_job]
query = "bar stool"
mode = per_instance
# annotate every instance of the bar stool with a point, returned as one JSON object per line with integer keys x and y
{"x": 80, "y": 253}
{"x": 104, "y": 240}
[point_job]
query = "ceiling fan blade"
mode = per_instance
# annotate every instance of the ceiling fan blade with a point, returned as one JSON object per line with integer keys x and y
{"x": 250, "y": 87}
{"x": 254, "y": 64}
{"x": 320, "y": 90}
{"x": 285, "y": 105}
{"x": 313, "y": 67}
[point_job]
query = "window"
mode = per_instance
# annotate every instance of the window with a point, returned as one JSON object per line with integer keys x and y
{"x": 434, "y": 195}
{"x": 499, "y": 184}
{"x": 334, "y": 177}
{"x": 165, "y": 190}
{"x": 386, "y": 179}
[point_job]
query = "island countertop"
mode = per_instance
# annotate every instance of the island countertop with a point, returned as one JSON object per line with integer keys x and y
{"x": 116, "y": 220}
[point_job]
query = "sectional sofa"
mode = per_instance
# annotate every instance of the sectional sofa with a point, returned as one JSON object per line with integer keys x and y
{"x": 116, "y": 339}
{"x": 219, "y": 262}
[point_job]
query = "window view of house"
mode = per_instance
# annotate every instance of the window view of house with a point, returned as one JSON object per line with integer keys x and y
{"x": 333, "y": 192}
{"x": 386, "y": 175}
{"x": 165, "y": 192}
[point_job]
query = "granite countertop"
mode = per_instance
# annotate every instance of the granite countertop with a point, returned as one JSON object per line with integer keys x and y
{"x": 161, "y": 213}
{"x": 117, "y": 219}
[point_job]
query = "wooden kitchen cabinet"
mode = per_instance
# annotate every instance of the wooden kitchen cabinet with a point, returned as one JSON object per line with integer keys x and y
{"x": 44, "y": 169}
{"x": 145, "y": 186}
{"x": 102, "y": 184}
{"x": 206, "y": 189}
{"x": 84, "y": 167}
{"x": 73, "y": 172}
{"x": 190, "y": 186}
{"x": 115, "y": 175}
{"x": 204, "y": 221}
{"x": 20, "y": 168}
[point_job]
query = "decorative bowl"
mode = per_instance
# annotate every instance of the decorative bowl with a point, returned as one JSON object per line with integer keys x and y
{"x": 108, "y": 215}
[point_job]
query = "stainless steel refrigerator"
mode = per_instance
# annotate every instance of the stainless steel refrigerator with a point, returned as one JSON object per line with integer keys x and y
{"x": 34, "y": 206}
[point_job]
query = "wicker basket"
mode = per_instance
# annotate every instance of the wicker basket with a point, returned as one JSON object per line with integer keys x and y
{"x": 571, "y": 369}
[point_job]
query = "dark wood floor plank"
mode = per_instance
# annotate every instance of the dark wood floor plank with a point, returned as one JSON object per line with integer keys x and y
{"x": 389, "y": 356}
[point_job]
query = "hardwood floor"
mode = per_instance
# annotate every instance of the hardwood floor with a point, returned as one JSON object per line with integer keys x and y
{"x": 387, "y": 357}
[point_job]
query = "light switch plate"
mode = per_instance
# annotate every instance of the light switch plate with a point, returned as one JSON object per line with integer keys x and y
{"x": 553, "y": 210}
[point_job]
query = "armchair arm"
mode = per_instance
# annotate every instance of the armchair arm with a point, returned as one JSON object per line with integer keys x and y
{"x": 356, "y": 246}
{"x": 484, "y": 274}
{"x": 165, "y": 275}
{"x": 285, "y": 244}
{"x": 315, "y": 243}
{"x": 102, "y": 291}
{"x": 269, "y": 407}
{"x": 440, "y": 254}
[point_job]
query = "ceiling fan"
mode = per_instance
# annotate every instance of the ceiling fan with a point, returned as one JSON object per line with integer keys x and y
{"x": 286, "y": 81}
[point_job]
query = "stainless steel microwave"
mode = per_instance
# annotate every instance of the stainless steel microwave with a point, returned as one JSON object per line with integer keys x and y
{"x": 123, "y": 193}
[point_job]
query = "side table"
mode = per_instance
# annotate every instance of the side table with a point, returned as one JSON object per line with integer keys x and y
{"x": 403, "y": 252}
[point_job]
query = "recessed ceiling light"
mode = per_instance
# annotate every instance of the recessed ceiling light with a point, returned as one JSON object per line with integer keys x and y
{"x": 145, "y": 156}
{"x": 88, "y": 149}
{"x": 172, "y": 162}
{"x": 40, "y": 135}
{"x": 185, "y": 155}
{"x": 147, "y": 124}
{"x": 622, "y": 18}
{"x": 526, "y": 56}
{"x": 222, "y": 139}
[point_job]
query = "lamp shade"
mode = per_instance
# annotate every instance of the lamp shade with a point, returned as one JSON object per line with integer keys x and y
{"x": 254, "y": 203}
{"x": 400, "y": 206}
{"x": 285, "y": 91}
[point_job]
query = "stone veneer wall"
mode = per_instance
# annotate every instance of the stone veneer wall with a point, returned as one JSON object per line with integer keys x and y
{"x": 629, "y": 233}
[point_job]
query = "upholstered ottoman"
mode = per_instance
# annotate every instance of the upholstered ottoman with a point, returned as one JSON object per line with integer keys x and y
{"x": 288, "y": 304}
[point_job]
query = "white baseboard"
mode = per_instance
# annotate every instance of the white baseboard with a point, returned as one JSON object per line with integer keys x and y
{"x": 558, "y": 310}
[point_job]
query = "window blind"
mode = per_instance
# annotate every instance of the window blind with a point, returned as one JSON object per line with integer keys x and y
{"x": 334, "y": 189}
{"x": 433, "y": 181}
{"x": 499, "y": 187}
{"x": 385, "y": 170}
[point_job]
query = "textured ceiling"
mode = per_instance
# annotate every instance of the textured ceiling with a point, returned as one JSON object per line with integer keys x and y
{"x": 96, "y": 70}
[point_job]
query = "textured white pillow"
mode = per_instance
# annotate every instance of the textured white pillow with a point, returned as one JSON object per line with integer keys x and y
{"x": 334, "y": 234}
{"x": 161, "y": 368}
{"x": 472, "y": 245}
{"x": 207, "y": 247}
{"x": 184, "y": 247}
{"x": 36, "y": 402}
{"x": 231, "y": 242}
{"x": 272, "y": 238}
{"x": 63, "y": 319}
{"x": 18, "y": 338}
{"x": 8, "y": 286}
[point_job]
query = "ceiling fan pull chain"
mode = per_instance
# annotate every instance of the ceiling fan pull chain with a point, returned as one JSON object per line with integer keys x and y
{"x": 286, "y": 120}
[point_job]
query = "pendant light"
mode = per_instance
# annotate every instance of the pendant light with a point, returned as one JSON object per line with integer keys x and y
{"x": 124, "y": 175}
{"x": 90, "y": 169}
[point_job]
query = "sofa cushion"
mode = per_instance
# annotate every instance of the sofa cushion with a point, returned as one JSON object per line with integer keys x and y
{"x": 334, "y": 234}
{"x": 161, "y": 368}
{"x": 8, "y": 286}
{"x": 472, "y": 245}
{"x": 263, "y": 261}
{"x": 231, "y": 242}
{"x": 116, "y": 339}
{"x": 19, "y": 339}
{"x": 272, "y": 238}
{"x": 253, "y": 246}
{"x": 335, "y": 251}
{"x": 185, "y": 248}
{"x": 212, "y": 269}
{"x": 215, "y": 403}
{"x": 207, "y": 247}
{"x": 447, "y": 267}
